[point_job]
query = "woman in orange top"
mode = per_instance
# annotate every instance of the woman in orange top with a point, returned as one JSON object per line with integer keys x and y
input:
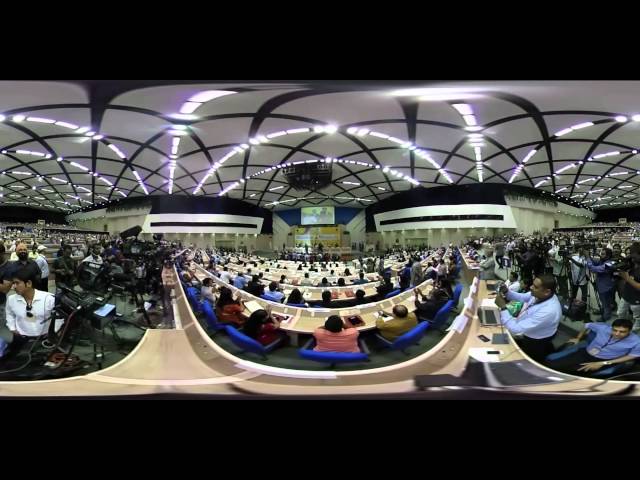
{"x": 229, "y": 310}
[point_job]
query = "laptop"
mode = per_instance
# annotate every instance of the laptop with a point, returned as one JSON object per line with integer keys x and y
{"x": 489, "y": 317}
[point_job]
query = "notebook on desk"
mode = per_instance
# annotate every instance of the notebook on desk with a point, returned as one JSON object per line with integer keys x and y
{"x": 252, "y": 306}
{"x": 281, "y": 317}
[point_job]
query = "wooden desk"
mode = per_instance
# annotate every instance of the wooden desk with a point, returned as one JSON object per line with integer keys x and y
{"x": 307, "y": 320}
{"x": 470, "y": 269}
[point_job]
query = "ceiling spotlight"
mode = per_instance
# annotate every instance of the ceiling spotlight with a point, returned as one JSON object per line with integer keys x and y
{"x": 18, "y": 118}
{"x": 474, "y": 128}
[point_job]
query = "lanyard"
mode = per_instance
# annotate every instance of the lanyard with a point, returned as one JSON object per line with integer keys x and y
{"x": 609, "y": 342}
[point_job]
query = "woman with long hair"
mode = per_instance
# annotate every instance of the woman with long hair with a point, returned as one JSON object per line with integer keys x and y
{"x": 295, "y": 297}
{"x": 262, "y": 327}
{"x": 229, "y": 310}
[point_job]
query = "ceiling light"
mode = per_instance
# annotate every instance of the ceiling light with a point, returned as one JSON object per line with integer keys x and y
{"x": 18, "y": 118}
{"x": 330, "y": 129}
{"x": 474, "y": 128}
{"x": 67, "y": 125}
{"x": 463, "y": 109}
{"x": 182, "y": 116}
{"x": 83, "y": 129}
{"x": 189, "y": 107}
{"x": 470, "y": 120}
{"x": 636, "y": 118}
{"x": 98, "y": 137}
{"x": 40, "y": 120}
{"x": 209, "y": 95}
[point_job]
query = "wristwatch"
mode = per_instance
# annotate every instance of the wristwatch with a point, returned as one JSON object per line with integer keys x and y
{"x": 606, "y": 362}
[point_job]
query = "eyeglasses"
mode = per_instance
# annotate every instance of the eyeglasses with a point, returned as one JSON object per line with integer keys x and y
{"x": 29, "y": 314}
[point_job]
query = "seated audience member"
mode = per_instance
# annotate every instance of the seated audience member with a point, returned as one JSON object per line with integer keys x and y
{"x": 385, "y": 287}
{"x": 431, "y": 304}
{"x": 336, "y": 336}
{"x": 360, "y": 297}
{"x": 613, "y": 344}
{"x": 404, "y": 283}
{"x": 402, "y": 322}
{"x": 306, "y": 281}
{"x": 513, "y": 284}
{"x": 225, "y": 276}
{"x": 262, "y": 327}
{"x": 326, "y": 300}
{"x": 255, "y": 287}
{"x": 208, "y": 290}
{"x": 324, "y": 283}
{"x": 229, "y": 310}
{"x": 273, "y": 294}
{"x": 282, "y": 282}
{"x": 295, "y": 297}
{"x": 347, "y": 272}
{"x": 240, "y": 282}
{"x": 445, "y": 284}
{"x": 361, "y": 280}
{"x": 341, "y": 282}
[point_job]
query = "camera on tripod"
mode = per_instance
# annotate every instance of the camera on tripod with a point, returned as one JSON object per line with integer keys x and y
{"x": 623, "y": 264}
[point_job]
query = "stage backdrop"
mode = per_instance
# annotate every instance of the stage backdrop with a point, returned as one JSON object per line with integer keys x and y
{"x": 328, "y": 236}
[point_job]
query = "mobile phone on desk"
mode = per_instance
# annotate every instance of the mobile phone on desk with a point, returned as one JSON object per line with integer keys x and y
{"x": 483, "y": 338}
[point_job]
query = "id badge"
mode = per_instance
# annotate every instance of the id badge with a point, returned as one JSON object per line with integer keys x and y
{"x": 594, "y": 351}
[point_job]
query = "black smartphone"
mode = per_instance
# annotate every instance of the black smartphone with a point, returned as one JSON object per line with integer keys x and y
{"x": 483, "y": 338}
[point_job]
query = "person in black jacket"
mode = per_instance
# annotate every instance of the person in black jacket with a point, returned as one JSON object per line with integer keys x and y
{"x": 431, "y": 304}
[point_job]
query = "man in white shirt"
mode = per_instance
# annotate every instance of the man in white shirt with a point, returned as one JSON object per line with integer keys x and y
{"x": 579, "y": 274}
{"x": 225, "y": 276}
{"x": 513, "y": 283}
{"x": 94, "y": 260}
{"x": 28, "y": 312}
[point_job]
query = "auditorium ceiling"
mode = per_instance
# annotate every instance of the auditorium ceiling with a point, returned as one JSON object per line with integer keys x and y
{"x": 71, "y": 145}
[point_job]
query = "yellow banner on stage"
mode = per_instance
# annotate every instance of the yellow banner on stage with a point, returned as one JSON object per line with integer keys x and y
{"x": 328, "y": 236}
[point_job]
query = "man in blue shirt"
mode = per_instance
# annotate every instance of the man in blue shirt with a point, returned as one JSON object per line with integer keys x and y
{"x": 361, "y": 280}
{"x": 240, "y": 281}
{"x": 605, "y": 284}
{"x": 538, "y": 319}
{"x": 611, "y": 345}
{"x": 273, "y": 293}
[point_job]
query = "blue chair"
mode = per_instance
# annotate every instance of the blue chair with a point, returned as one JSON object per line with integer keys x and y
{"x": 456, "y": 295}
{"x": 212, "y": 319}
{"x": 192, "y": 296}
{"x": 333, "y": 358}
{"x": 393, "y": 293}
{"x": 412, "y": 337}
{"x": 248, "y": 344}
{"x": 603, "y": 372}
{"x": 442, "y": 316}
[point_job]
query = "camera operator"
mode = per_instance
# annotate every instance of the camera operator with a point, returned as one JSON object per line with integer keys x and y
{"x": 557, "y": 255}
{"x": 64, "y": 268}
{"x": 528, "y": 261}
{"x": 630, "y": 296}
{"x": 579, "y": 274}
{"x": 605, "y": 283}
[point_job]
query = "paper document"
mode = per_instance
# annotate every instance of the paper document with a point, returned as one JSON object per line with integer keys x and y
{"x": 252, "y": 306}
{"x": 385, "y": 318}
{"x": 483, "y": 355}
